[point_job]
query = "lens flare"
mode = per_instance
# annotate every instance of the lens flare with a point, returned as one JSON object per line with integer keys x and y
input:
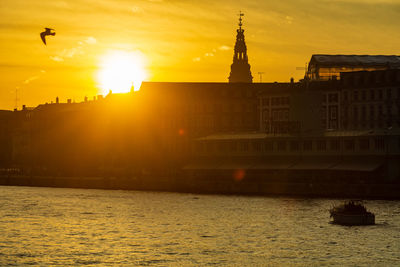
{"x": 239, "y": 174}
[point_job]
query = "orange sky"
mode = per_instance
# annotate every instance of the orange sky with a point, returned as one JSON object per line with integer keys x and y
{"x": 181, "y": 40}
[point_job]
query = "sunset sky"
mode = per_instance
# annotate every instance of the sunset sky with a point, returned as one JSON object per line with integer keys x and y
{"x": 178, "y": 40}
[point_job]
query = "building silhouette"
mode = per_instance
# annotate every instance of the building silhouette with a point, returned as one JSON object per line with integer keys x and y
{"x": 240, "y": 68}
{"x": 327, "y": 67}
{"x": 320, "y": 131}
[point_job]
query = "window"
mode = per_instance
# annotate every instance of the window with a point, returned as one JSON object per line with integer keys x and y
{"x": 389, "y": 93}
{"x": 265, "y": 101}
{"x": 200, "y": 147}
{"x": 209, "y": 147}
{"x": 345, "y": 96}
{"x": 333, "y": 112}
{"x": 355, "y": 113}
{"x": 220, "y": 146}
{"x": 363, "y": 113}
{"x": 321, "y": 145}
{"x": 333, "y": 98}
{"x": 378, "y": 78}
{"x": 363, "y": 95}
{"x": 345, "y": 113}
{"x": 389, "y": 111}
{"x": 364, "y": 144}
{"x": 380, "y": 94}
{"x": 233, "y": 146}
{"x": 294, "y": 145}
{"x": 349, "y": 144}
{"x": 372, "y": 94}
{"x": 323, "y": 117}
{"x": 244, "y": 146}
{"x": 269, "y": 146}
{"x": 379, "y": 144}
{"x": 257, "y": 145}
{"x": 335, "y": 145}
{"x": 307, "y": 145}
{"x": 281, "y": 145}
{"x": 355, "y": 95}
{"x": 266, "y": 114}
{"x": 371, "y": 112}
{"x": 285, "y": 115}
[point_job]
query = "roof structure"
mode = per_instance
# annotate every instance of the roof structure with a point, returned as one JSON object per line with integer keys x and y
{"x": 355, "y": 60}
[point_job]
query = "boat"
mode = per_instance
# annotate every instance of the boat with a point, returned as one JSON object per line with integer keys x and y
{"x": 351, "y": 213}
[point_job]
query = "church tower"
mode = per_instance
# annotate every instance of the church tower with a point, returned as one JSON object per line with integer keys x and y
{"x": 240, "y": 68}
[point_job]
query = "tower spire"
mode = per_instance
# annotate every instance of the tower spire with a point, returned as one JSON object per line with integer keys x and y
{"x": 240, "y": 68}
{"x": 240, "y": 19}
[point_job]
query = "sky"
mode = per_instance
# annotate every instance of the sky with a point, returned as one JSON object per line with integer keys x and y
{"x": 178, "y": 40}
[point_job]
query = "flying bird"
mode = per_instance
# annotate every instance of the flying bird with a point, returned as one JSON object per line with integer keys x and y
{"x": 47, "y": 31}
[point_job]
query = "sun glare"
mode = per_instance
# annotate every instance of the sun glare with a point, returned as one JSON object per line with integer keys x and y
{"x": 120, "y": 70}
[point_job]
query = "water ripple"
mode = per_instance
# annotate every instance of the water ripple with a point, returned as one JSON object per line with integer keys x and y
{"x": 52, "y": 226}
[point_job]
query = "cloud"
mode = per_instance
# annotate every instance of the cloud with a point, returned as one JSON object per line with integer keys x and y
{"x": 71, "y": 52}
{"x": 137, "y": 10}
{"x": 212, "y": 53}
{"x": 56, "y": 58}
{"x": 35, "y": 77}
{"x": 289, "y": 19}
{"x": 31, "y": 79}
{"x": 91, "y": 40}
{"x": 224, "y": 48}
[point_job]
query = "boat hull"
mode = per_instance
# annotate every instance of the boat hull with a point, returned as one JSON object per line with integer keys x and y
{"x": 353, "y": 219}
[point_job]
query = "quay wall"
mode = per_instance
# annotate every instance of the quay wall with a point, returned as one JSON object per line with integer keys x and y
{"x": 205, "y": 185}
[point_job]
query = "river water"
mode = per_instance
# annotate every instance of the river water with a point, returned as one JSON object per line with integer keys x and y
{"x": 54, "y": 226}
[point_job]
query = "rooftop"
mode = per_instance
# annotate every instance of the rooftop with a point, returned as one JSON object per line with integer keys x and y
{"x": 356, "y": 60}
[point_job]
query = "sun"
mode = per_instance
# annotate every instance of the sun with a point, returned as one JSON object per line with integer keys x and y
{"x": 120, "y": 70}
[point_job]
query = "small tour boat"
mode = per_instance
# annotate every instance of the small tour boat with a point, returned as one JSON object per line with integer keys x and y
{"x": 351, "y": 213}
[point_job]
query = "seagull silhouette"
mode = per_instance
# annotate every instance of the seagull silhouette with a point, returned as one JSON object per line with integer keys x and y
{"x": 46, "y": 32}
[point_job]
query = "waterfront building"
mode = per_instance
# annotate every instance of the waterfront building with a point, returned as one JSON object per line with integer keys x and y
{"x": 370, "y": 100}
{"x": 333, "y": 122}
{"x": 6, "y": 125}
{"x": 328, "y": 67}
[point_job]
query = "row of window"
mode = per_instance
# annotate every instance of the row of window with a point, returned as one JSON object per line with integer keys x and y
{"x": 372, "y": 94}
{"x": 363, "y": 144}
{"x": 371, "y": 112}
{"x": 378, "y": 77}
{"x": 238, "y": 92}
{"x": 276, "y": 101}
{"x": 281, "y": 114}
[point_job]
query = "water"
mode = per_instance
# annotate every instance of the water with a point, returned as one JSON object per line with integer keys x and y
{"x": 50, "y": 226}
